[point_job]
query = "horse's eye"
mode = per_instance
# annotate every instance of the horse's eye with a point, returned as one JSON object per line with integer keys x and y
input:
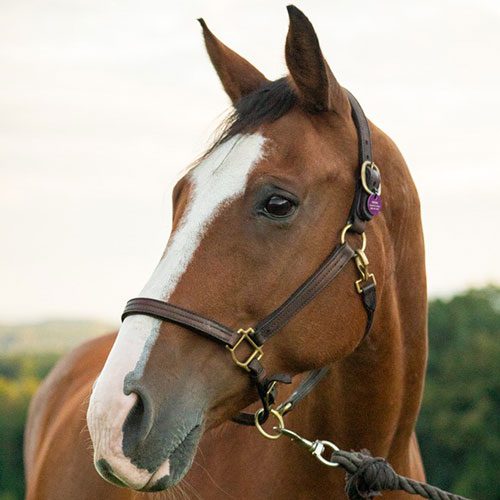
{"x": 277, "y": 206}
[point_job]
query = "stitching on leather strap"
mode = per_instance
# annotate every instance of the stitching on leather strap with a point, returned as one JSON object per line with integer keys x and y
{"x": 170, "y": 312}
{"x": 305, "y": 293}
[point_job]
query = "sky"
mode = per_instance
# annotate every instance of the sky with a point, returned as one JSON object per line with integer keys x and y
{"x": 104, "y": 103}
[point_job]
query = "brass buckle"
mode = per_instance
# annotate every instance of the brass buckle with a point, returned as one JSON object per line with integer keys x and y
{"x": 365, "y": 165}
{"x": 365, "y": 279}
{"x": 257, "y": 351}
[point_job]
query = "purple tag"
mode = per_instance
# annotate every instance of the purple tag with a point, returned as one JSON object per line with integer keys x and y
{"x": 374, "y": 204}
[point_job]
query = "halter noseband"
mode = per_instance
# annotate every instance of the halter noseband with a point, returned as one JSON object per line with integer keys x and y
{"x": 365, "y": 205}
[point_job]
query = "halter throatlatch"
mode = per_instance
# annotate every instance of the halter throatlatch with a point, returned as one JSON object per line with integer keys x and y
{"x": 366, "y": 204}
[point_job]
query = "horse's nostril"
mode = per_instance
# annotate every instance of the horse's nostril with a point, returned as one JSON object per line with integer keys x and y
{"x": 139, "y": 421}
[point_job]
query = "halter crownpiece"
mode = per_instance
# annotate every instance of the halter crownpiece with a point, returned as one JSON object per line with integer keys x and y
{"x": 366, "y": 204}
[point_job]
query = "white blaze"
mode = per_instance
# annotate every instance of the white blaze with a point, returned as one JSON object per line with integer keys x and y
{"x": 219, "y": 179}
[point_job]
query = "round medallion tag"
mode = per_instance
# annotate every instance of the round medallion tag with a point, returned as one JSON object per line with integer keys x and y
{"x": 374, "y": 204}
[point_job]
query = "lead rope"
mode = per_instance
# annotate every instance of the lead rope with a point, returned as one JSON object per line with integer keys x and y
{"x": 366, "y": 476}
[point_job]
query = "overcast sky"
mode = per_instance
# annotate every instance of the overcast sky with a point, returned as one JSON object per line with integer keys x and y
{"x": 103, "y": 103}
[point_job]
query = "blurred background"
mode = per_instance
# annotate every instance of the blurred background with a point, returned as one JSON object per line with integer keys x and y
{"x": 103, "y": 103}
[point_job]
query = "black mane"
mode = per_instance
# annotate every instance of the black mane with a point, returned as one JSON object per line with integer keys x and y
{"x": 264, "y": 105}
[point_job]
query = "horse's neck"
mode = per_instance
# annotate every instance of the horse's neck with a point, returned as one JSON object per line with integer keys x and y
{"x": 371, "y": 398}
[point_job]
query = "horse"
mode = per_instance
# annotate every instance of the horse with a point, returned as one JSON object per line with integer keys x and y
{"x": 151, "y": 408}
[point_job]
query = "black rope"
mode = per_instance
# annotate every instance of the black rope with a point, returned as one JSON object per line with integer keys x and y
{"x": 368, "y": 476}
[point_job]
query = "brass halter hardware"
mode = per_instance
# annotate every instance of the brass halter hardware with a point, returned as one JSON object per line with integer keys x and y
{"x": 343, "y": 235}
{"x": 257, "y": 351}
{"x": 279, "y": 418}
{"x": 372, "y": 165}
{"x": 362, "y": 264}
{"x": 361, "y": 259}
{"x": 317, "y": 448}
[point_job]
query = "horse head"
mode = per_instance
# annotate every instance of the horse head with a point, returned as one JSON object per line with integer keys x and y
{"x": 252, "y": 219}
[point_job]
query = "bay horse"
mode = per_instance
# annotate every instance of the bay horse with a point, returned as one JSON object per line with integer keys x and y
{"x": 150, "y": 408}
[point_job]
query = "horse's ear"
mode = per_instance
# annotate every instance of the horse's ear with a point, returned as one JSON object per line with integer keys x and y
{"x": 313, "y": 79}
{"x": 237, "y": 75}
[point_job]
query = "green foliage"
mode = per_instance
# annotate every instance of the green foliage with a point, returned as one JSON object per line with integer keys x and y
{"x": 19, "y": 379}
{"x": 28, "y": 353}
{"x": 459, "y": 426}
{"x": 49, "y": 336}
{"x": 20, "y": 366}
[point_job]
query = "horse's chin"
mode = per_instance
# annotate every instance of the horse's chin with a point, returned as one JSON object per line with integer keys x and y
{"x": 171, "y": 471}
{"x": 178, "y": 463}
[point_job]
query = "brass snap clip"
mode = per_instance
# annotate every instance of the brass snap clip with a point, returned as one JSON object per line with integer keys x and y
{"x": 316, "y": 448}
{"x": 366, "y": 276}
{"x": 361, "y": 261}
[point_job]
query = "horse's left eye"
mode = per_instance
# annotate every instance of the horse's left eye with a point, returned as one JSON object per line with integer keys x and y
{"x": 278, "y": 206}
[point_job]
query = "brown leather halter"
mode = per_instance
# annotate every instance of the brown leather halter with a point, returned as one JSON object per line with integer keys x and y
{"x": 366, "y": 196}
